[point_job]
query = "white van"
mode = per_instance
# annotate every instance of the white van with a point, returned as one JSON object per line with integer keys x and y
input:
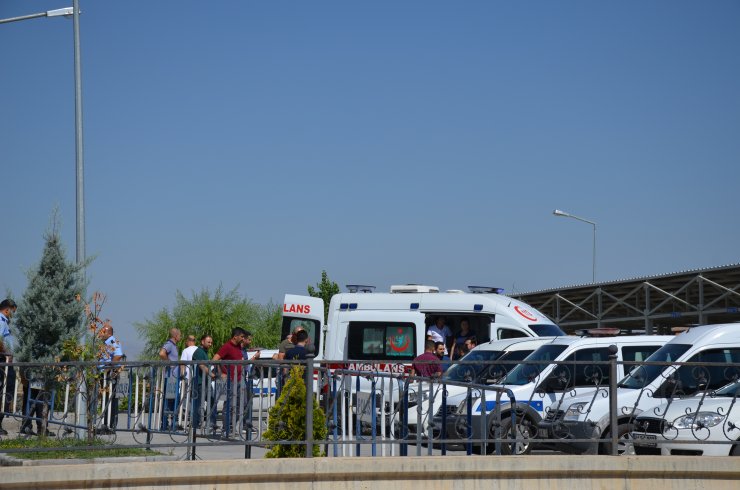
{"x": 651, "y": 385}
{"x": 701, "y": 425}
{"x": 384, "y": 331}
{"x": 539, "y": 386}
{"x": 483, "y": 365}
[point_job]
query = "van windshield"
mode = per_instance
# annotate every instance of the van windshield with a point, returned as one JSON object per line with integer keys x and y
{"x": 547, "y": 330}
{"x": 471, "y": 365}
{"x": 527, "y": 373}
{"x": 642, "y": 376}
{"x": 729, "y": 390}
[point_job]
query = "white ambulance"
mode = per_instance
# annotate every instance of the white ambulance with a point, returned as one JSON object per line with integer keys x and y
{"x": 384, "y": 331}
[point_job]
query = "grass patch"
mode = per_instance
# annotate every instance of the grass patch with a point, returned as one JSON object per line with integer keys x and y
{"x": 67, "y": 449}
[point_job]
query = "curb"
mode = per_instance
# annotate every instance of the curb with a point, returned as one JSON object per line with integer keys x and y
{"x": 7, "y": 460}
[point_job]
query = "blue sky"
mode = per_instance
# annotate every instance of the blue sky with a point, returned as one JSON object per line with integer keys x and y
{"x": 256, "y": 143}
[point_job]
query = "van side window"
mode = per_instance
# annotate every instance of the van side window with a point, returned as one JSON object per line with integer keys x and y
{"x": 566, "y": 376}
{"x": 510, "y": 333}
{"x": 381, "y": 341}
{"x": 634, "y": 354}
{"x": 687, "y": 380}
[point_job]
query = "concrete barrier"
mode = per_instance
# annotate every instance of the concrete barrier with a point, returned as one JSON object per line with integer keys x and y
{"x": 428, "y": 473}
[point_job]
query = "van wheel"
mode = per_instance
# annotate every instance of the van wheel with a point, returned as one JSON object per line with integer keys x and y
{"x": 625, "y": 446}
{"x": 525, "y": 429}
{"x": 735, "y": 450}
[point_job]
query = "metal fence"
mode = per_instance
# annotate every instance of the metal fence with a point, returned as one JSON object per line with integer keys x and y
{"x": 380, "y": 410}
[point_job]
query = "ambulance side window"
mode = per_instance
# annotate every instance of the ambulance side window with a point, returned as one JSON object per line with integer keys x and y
{"x": 381, "y": 341}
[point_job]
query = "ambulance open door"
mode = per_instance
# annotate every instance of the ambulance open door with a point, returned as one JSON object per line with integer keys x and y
{"x": 306, "y": 312}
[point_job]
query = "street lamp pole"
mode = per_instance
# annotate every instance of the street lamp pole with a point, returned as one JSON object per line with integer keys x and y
{"x": 73, "y": 11}
{"x": 80, "y": 174}
{"x": 558, "y": 212}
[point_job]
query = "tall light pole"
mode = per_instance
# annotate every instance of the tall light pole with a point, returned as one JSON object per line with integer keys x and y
{"x": 558, "y": 212}
{"x": 80, "y": 186}
{"x": 74, "y": 11}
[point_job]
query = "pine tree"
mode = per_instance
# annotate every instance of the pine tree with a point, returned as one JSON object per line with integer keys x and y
{"x": 287, "y": 419}
{"x": 50, "y": 311}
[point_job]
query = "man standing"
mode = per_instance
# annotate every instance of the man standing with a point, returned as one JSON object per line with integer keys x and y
{"x": 439, "y": 351}
{"x": 111, "y": 353}
{"x": 440, "y": 332}
{"x": 288, "y": 343}
{"x": 7, "y": 373}
{"x": 187, "y": 355}
{"x": 299, "y": 350}
{"x": 200, "y": 372}
{"x": 230, "y": 351}
{"x": 426, "y": 364}
{"x": 169, "y": 352}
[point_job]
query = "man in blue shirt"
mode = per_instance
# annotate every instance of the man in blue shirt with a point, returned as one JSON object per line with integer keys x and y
{"x": 169, "y": 352}
{"x": 299, "y": 350}
{"x": 111, "y": 352}
{"x": 7, "y": 373}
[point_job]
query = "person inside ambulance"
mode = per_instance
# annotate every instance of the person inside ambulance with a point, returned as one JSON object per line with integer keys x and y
{"x": 440, "y": 331}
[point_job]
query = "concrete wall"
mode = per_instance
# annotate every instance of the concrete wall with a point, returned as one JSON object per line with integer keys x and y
{"x": 427, "y": 473}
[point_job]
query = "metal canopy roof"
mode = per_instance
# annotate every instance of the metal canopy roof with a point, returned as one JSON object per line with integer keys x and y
{"x": 654, "y": 304}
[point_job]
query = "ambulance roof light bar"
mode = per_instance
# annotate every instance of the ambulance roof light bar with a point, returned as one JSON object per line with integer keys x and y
{"x": 485, "y": 290}
{"x": 360, "y": 288}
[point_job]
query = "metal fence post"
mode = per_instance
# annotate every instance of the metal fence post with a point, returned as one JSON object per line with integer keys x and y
{"x": 613, "y": 399}
{"x": 309, "y": 406}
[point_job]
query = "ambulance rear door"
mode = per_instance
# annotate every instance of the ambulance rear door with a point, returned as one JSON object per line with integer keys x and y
{"x": 307, "y": 312}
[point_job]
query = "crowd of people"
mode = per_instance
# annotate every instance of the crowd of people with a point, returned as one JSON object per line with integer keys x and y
{"x": 441, "y": 347}
{"x": 189, "y": 379}
{"x": 186, "y": 382}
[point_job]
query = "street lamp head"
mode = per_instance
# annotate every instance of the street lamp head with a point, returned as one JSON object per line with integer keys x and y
{"x": 558, "y": 212}
{"x": 67, "y": 11}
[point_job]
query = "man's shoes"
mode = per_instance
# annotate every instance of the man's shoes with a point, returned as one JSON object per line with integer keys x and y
{"x": 48, "y": 433}
{"x": 28, "y": 431}
{"x": 3, "y": 432}
{"x": 104, "y": 431}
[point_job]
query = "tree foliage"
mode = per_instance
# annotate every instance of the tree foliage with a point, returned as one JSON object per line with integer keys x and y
{"x": 324, "y": 290}
{"x": 287, "y": 419}
{"x": 50, "y": 311}
{"x": 214, "y": 314}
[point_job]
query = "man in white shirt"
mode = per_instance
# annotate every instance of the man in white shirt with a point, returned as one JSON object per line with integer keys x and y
{"x": 440, "y": 332}
{"x": 187, "y": 355}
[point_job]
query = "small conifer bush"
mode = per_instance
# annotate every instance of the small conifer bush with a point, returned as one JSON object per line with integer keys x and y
{"x": 287, "y": 419}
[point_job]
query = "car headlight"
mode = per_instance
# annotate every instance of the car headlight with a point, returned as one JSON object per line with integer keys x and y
{"x": 575, "y": 411}
{"x": 414, "y": 398}
{"x": 698, "y": 420}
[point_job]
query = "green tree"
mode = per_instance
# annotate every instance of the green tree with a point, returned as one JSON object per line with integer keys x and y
{"x": 50, "y": 312}
{"x": 287, "y": 419}
{"x": 215, "y": 314}
{"x": 324, "y": 290}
